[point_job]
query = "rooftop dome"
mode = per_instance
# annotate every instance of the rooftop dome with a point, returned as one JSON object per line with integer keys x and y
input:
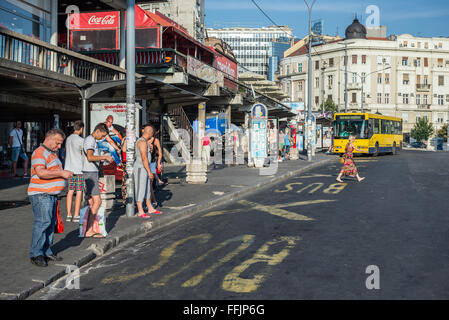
{"x": 356, "y": 30}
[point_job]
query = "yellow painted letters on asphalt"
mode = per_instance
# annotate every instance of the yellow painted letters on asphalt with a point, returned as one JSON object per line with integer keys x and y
{"x": 233, "y": 282}
{"x": 317, "y": 185}
{"x": 275, "y": 210}
{"x": 246, "y": 240}
{"x": 289, "y": 187}
{"x": 335, "y": 188}
{"x": 165, "y": 255}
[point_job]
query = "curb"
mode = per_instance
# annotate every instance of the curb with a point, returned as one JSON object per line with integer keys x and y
{"x": 100, "y": 248}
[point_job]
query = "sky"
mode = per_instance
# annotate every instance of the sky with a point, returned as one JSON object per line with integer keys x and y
{"x": 423, "y": 18}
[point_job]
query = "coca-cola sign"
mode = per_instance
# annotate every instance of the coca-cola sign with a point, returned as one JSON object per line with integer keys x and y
{"x": 107, "y": 20}
{"x": 94, "y": 20}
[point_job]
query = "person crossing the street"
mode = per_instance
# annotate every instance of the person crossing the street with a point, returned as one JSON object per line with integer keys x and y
{"x": 349, "y": 168}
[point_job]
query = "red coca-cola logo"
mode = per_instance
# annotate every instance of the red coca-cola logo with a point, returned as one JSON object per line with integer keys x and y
{"x": 106, "y": 20}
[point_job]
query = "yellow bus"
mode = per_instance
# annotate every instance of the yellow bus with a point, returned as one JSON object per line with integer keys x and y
{"x": 374, "y": 133}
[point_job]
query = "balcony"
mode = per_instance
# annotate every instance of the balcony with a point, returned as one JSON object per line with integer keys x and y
{"x": 423, "y": 87}
{"x": 53, "y": 61}
{"x": 423, "y": 106}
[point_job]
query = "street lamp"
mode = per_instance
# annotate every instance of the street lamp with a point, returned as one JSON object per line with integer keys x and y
{"x": 309, "y": 87}
{"x": 344, "y": 43}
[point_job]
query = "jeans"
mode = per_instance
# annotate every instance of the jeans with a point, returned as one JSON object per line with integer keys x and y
{"x": 44, "y": 210}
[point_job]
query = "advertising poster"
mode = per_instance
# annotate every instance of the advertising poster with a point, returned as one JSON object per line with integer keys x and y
{"x": 259, "y": 138}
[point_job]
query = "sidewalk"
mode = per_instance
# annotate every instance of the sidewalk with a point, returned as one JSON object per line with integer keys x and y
{"x": 19, "y": 278}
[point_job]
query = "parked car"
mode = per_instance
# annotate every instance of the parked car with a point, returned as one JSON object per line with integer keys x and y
{"x": 406, "y": 145}
{"x": 417, "y": 144}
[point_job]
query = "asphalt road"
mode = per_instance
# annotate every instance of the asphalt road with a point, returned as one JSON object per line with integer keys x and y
{"x": 306, "y": 238}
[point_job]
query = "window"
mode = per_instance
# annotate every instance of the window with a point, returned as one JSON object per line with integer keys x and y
{"x": 426, "y": 62}
{"x": 345, "y": 60}
{"x": 387, "y": 98}
{"x": 405, "y": 61}
{"x": 440, "y": 63}
{"x": 405, "y": 44}
{"x": 418, "y": 62}
{"x": 376, "y": 126}
{"x": 354, "y": 97}
{"x": 405, "y": 98}
{"x": 317, "y": 65}
{"x": 426, "y": 80}
{"x": 383, "y": 126}
{"x": 440, "y": 99}
{"x": 354, "y": 59}
{"x": 405, "y": 79}
{"x": 379, "y": 98}
{"x": 418, "y": 99}
{"x": 331, "y": 62}
{"x": 354, "y": 77}
{"x": 317, "y": 101}
{"x": 405, "y": 116}
{"x": 287, "y": 69}
{"x": 299, "y": 67}
{"x": 419, "y": 45}
{"x": 363, "y": 59}
{"x": 440, "y": 118}
{"x": 441, "y": 80}
{"x": 424, "y": 100}
{"x": 330, "y": 81}
{"x": 317, "y": 82}
{"x": 426, "y": 45}
{"x": 387, "y": 78}
{"x": 379, "y": 78}
{"x": 300, "y": 86}
{"x": 389, "y": 126}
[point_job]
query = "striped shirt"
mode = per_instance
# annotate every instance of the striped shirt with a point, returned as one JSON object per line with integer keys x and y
{"x": 43, "y": 157}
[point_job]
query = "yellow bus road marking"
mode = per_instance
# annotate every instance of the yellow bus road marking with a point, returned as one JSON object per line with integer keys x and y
{"x": 234, "y": 283}
{"x": 165, "y": 255}
{"x": 364, "y": 160}
{"x": 275, "y": 209}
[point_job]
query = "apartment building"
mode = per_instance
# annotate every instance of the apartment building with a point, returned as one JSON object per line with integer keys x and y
{"x": 253, "y": 47}
{"x": 404, "y": 76}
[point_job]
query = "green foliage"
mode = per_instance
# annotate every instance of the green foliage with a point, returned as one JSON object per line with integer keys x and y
{"x": 422, "y": 130}
{"x": 442, "y": 133}
{"x": 330, "y": 106}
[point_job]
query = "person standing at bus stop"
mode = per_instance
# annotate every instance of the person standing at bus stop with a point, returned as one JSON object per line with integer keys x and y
{"x": 349, "y": 168}
{"x": 18, "y": 149}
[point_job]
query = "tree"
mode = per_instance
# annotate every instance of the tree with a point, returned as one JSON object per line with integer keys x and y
{"x": 330, "y": 106}
{"x": 422, "y": 130}
{"x": 442, "y": 133}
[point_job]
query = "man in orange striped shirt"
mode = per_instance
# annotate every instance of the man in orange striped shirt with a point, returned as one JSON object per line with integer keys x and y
{"x": 48, "y": 179}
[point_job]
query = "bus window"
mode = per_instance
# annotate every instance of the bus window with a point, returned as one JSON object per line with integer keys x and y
{"x": 383, "y": 126}
{"x": 389, "y": 126}
{"x": 376, "y": 126}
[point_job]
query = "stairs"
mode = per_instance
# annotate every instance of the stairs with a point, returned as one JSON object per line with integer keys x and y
{"x": 181, "y": 140}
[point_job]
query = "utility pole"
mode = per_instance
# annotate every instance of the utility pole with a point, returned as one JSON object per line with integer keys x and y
{"x": 130, "y": 105}
{"x": 309, "y": 98}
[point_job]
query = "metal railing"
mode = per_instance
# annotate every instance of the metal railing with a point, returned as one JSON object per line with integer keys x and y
{"x": 149, "y": 57}
{"x": 181, "y": 121}
{"x": 423, "y": 86}
{"x": 33, "y": 52}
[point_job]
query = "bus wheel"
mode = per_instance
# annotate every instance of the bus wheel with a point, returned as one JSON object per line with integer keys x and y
{"x": 394, "y": 149}
{"x": 376, "y": 150}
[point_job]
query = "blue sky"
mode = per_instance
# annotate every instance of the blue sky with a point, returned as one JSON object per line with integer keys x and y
{"x": 429, "y": 18}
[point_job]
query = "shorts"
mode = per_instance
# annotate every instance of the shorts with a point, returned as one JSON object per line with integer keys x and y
{"x": 16, "y": 152}
{"x": 76, "y": 182}
{"x": 153, "y": 167}
{"x": 91, "y": 183}
{"x": 142, "y": 184}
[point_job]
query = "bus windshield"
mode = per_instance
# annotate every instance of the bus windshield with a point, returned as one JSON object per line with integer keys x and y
{"x": 358, "y": 128}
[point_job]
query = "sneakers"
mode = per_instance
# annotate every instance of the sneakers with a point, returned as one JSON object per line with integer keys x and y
{"x": 39, "y": 261}
{"x": 53, "y": 258}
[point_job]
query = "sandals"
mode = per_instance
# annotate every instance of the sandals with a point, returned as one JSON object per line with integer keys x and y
{"x": 95, "y": 236}
{"x": 156, "y": 212}
{"x": 76, "y": 219}
{"x": 144, "y": 216}
{"x": 69, "y": 219}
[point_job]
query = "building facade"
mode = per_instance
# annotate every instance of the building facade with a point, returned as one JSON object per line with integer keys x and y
{"x": 188, "y": 13}
{"x": 404, "y": 76}
{"x": 253, "y": 47}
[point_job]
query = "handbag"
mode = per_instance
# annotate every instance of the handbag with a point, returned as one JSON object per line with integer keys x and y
{"x": 342, "y": 160}
{"x": 59, "y": 227}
